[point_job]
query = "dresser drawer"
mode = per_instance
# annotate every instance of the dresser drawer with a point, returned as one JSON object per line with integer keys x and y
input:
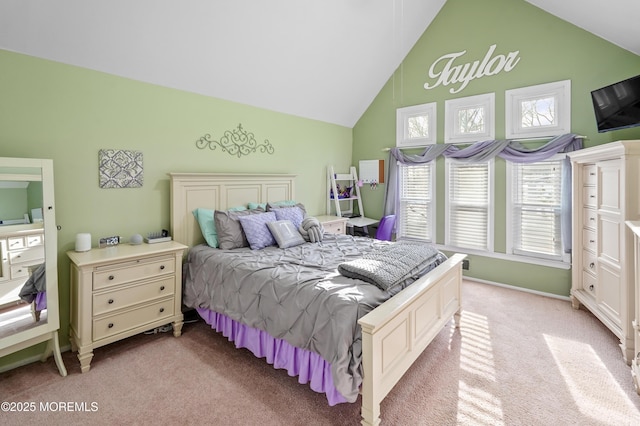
{"x": 589, "y": 261}
{"x": 121, "y": 322}
{"x": 15, "y": 243}
{"x": 335, "y": 227}
{"x": 589, "y": 239}
{"x": 112, "y": 300}
{"x": 34, "y": 240}
{"x": 589, "y": 176}
{"x": 589, "y": 196}
{"x": 589, "y": 217}
{"x": 589, "y": 283}
{"x": 125, "y": 272}
{"x": 27, "y": 255}
{"x": 19, "y": 271}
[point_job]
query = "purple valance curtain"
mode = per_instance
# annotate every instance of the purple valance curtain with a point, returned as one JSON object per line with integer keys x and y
{"x": 483, "y": 151}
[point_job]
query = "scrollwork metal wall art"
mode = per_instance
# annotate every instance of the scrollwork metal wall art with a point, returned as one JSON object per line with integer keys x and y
{"x": 237, "y": 142}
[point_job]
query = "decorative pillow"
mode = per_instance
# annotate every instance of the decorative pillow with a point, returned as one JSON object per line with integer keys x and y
{"x": 257, "y": 206}
{"x": 229, "y": 229}
{"x": 293, "y": 213}
{"x": 285, "y": 233}
{"x": 207, "y": 226}
{"x": 256, "y": 229}
{"x": 263, "y": 206}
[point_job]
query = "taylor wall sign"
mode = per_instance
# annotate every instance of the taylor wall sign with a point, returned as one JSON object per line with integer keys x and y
{"x": 446, "y": 72}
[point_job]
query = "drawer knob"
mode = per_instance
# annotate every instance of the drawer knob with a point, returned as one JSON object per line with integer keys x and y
{"x": 110, "y": 301}
{"x": 592, "y": 241}
{"x": 592, "y": 265}
{"x": 592, "y": 174}
{"x": 591, "y": 287}
{"x": 161, "y": 288}
{"x": 592, "y": 196}
{"x": 161, "y": 267}
{"x": 161, "y": 309}
{"x": 110, "y": 325}
{"x": 111, "y": 277}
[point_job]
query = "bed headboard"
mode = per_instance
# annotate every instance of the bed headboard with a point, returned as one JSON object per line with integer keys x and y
{"x": 220, "y": 191}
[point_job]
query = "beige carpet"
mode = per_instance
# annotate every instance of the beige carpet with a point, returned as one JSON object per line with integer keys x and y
{"x": 518, "y": 359}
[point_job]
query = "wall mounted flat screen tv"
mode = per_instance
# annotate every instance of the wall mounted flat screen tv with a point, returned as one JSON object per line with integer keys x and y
{"x": 617, "y": 106}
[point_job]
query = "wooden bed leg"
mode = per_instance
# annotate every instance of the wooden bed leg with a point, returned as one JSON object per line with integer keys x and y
{"x": 456, "y": 318}
{"x": 370, "y": 413}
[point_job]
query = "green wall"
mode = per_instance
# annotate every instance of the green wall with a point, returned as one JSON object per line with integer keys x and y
{"x": 66, "y": 113}
{"x": 550, "y": 50}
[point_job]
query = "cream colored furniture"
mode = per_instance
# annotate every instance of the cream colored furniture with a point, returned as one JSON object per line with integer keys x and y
{"x": 347, "y": 180}
{"x": 120, "y": 291}
{"x": 333, "y": 224}
{"x": 393, "y": 335}
{"x": 21, "y": 250}
{"x": 605, "y": 195}
{"x": 635, "y": 364}
{"x": 29, "y": 181}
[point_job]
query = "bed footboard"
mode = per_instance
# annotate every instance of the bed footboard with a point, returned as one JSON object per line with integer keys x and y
{"x": 396, "y": 332}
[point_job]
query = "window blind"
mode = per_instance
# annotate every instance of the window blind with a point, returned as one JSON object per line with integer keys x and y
{"x": 415, "y": 210}
{"x": 536, "y": 199}
{"x": 468, "y": 205}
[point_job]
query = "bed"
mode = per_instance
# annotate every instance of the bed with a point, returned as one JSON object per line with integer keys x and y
{"x": 390, "y": 335}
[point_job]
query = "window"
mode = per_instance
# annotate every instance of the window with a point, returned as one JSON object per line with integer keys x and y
{"x": 538, "y": 111}
{"x": 416, "y": 125}
{"x": 533, "y": 209}
{"x": 416, "y": 209}
{"x": 469, "y": 214}
{"x": 469, "y": 119}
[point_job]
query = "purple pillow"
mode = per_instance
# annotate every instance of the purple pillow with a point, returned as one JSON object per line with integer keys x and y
{"x": 255, "y": 228}
{"x": 295, "y": 214}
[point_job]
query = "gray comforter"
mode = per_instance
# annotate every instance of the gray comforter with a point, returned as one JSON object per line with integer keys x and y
{"x": 295, "y": 294}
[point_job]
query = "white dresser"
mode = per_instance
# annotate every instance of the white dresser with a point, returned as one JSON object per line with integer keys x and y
{"x": 120, "y": 291}
{"x": 605, "y": 195}
{"x": 21, "y": 250}
{"x": 635, "y": 364}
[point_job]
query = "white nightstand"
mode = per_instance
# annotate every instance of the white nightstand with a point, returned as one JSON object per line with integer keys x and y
{"x": 120, "y": 291}
{"x": 333, "y": 224}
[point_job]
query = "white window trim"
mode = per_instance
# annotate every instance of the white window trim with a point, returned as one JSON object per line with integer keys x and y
{"x": 566, "y": 258}
{"x": 451, "y": 108}
{"x": 560, "y": 90}
{"x": 402, "y": 128}
{"x": 491, "y": 210}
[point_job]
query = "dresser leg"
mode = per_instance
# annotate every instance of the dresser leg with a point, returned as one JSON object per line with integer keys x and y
{"x": 575, "y": 302}
{"x": 85, "y": 360}
{"x": 177, "y": 328}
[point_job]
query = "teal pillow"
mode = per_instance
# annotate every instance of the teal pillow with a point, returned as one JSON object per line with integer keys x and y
{"x": 255, "y": 206}
{"x": 263, "y": 206}
{"x": 207, "y": 226}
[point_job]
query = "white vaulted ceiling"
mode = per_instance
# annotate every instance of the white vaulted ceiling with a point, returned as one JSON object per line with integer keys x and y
{"x": 324, "y": 60}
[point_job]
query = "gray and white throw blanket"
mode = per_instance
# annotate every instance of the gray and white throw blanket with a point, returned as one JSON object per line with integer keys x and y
{"x": 295, "y": 294}
{"x": 389, "y": 265}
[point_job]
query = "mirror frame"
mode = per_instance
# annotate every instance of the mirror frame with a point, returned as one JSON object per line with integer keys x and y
{"x": 47, "y": 331}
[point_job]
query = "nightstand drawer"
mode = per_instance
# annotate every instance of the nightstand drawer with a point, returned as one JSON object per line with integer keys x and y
{"x": 140, "y": 293}
{"x": 132, "y": 271}
{"x": 335, "y": 227}
{"x": 114, "y": 324}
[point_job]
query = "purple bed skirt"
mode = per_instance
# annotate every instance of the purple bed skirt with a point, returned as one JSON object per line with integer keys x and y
{"x": 308, "y": 366}
{"x": 41, "y": 301}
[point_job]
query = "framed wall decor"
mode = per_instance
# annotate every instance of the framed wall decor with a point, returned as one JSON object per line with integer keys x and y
{"x": 120, "y": 168}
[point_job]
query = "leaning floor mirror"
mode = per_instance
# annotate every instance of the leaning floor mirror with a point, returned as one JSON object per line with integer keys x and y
{"x": 29, "y": 310}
